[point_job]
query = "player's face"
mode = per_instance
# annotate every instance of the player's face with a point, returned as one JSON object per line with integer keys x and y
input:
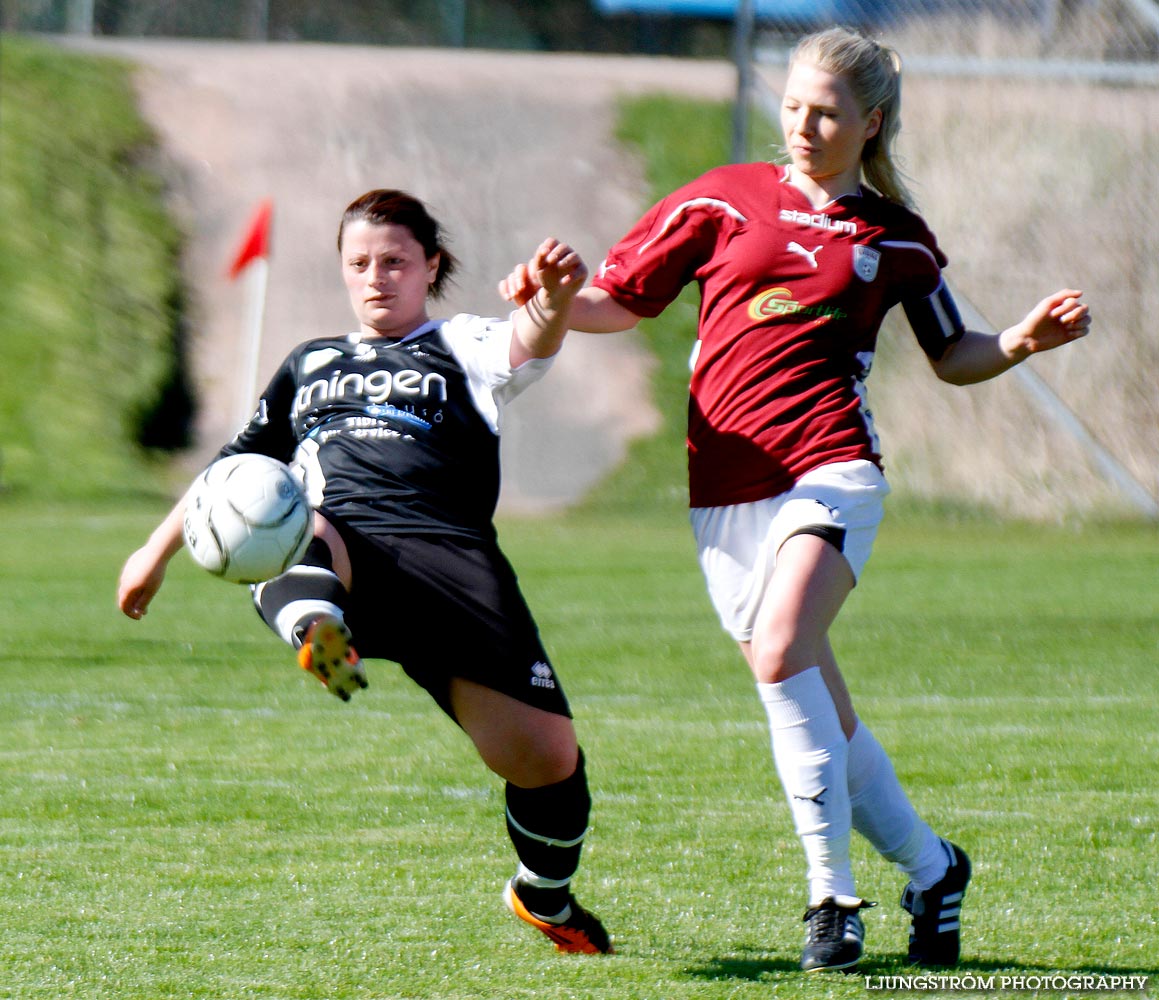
{"x": 388, "y": 277}
{"x": 824, "y": 128}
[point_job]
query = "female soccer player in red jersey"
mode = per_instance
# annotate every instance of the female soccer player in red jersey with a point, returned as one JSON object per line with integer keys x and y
{"x": 395, "y": 428}
{"x": 797, "y": 266}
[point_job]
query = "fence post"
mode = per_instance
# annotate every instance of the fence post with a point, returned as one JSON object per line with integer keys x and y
{"x": 743, "y": 56}
{"x": 81, "y": 17}
{"x": 262, "y": 21}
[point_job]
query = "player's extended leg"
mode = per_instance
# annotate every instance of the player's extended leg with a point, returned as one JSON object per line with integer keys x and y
{"x": 305, "y": 607}
{"x": 883, "y": 814}
{"x": 938, "y": 870}
{"x": 548, "y": 804}
{"x": 790, "y": 656}
{"x": 881, "y": 811}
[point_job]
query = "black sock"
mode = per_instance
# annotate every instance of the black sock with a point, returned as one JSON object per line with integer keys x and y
{"x": 306, "y": 591}
{"x": 547, "y": 826}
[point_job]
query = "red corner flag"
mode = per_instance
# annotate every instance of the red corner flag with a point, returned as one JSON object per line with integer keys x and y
{"x": 257, "y": 239}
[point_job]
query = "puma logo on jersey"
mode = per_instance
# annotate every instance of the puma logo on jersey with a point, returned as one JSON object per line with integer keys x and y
{"x": 809, "y": 255}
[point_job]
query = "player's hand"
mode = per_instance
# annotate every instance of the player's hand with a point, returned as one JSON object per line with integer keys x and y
{"x": 1056, "y": 320}
{"x": 519, "y": 285}
{"x": 140, "y": 580}
{"x": 558, "y": 269}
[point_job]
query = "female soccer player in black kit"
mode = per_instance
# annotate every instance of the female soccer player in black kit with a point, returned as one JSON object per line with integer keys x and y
{"x": 394, "y": 429}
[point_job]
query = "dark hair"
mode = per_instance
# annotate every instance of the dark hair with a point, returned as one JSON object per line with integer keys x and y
{"x": 382, "y": 207}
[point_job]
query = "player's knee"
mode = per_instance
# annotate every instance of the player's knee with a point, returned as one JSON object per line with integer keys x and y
{"x": 781, "y": 651}
{"x": 539, "y": 759}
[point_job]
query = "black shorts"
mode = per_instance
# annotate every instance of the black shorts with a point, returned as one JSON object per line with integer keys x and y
{"x": 446, "y": 607}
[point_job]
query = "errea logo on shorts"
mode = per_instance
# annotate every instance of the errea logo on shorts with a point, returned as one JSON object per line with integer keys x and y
{"x": 541, "y": 676}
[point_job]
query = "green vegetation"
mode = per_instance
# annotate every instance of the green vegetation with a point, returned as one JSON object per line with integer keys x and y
{"x": 89, "y": 289}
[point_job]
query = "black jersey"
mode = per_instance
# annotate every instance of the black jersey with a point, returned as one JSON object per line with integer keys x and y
{"x": 395, "y": 436}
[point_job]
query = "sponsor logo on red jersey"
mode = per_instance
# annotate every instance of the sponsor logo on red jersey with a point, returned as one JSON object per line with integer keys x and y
{"x": 776, "y": 303}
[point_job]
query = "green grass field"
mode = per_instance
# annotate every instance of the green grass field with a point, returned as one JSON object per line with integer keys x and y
{"x": 186, "y": 814}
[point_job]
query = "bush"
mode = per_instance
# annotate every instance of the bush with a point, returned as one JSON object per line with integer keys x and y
{"x": 92, "y": 302}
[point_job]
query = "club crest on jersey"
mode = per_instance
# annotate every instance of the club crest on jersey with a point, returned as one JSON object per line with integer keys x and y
{"x": 865, "y": 261}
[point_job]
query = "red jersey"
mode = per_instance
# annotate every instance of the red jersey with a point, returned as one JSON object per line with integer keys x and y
{"x": 792, "y": 299}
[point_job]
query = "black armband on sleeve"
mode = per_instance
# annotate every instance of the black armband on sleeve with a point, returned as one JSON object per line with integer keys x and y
{"x": 936, "y": 321}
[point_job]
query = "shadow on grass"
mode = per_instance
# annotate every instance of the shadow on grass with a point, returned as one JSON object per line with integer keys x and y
{"x": 739, "y": 967}
{"x": 754, "y": 969}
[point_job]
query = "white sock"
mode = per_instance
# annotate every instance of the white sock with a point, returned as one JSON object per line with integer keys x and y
{"x": 883, "y": 814}
{"x": 810, "y": 752}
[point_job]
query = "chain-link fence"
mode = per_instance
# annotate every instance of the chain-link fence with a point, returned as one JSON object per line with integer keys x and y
{"x": 545, "y": 25}
{"x": 1031, "y": 139}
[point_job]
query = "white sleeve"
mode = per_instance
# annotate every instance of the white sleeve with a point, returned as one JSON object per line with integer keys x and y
{"x": 482, "y": 346}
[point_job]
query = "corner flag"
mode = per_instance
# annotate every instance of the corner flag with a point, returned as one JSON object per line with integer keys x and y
{"x": 253, "y": 257}
{"x": 257, "y": 239}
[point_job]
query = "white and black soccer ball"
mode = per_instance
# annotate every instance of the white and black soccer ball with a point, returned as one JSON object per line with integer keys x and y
{"x": 247, "y": 518}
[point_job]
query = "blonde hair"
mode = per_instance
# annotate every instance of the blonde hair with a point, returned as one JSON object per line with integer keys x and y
{"x": 873, "y": 72}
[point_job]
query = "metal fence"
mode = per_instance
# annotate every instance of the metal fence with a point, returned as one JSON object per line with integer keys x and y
{"x": 543, "y": 25}
{"x": 1031, "y": 139}
{"x": 398, "y": 22}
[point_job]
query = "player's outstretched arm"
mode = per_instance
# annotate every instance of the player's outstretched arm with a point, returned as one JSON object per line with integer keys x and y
{"x": 1056, "y": 320}
{"x": 144, "y": 571}
{"x": 592, "y": 311}
{"x": 541, "y": 322}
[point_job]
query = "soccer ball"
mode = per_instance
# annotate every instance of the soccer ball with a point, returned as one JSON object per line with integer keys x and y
{"x": 247, "y": 518}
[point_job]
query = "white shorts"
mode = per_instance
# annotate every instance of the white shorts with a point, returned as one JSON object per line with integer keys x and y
{"x": 738, "y": 544}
